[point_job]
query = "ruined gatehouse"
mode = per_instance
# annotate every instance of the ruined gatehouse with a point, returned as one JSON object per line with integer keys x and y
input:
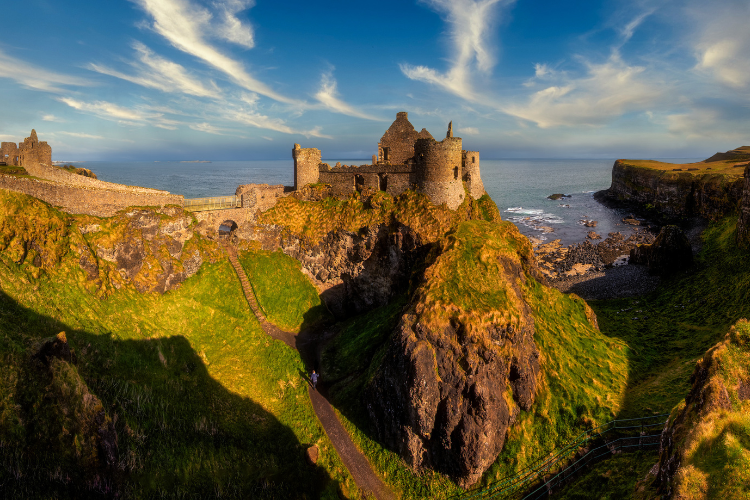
{"x": 406, "y": 159}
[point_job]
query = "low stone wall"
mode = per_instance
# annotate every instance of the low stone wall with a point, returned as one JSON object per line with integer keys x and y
{"x": 344, "y": 180}
{"x": 59, "y": 175}
{"x": 743, "y": 225}
{"x": 87, "y": 200}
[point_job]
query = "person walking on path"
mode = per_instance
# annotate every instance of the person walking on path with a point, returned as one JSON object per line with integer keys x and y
{"x": 314, "y": 379}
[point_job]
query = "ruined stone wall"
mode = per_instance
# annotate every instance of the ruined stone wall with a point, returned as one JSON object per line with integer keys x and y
{"x": 439, "y": 170}
{"x": 260, "y": 196}
{"x": 57, "y": 174}
{"x": 471, "y": 174}
{"x": 743, "y": 224}
{"x": 9, "y": 153}
{"x": 397, "y": 144}
{"x": 87, "y": 200}
{"x": 344, "y": 180}
{"x": 306, "y": 161}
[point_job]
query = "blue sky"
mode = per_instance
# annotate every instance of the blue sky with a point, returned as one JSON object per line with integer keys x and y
{"x": 243, "y": 79}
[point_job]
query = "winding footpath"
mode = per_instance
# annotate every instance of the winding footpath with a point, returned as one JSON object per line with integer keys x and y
{"x": 304, "y": 343}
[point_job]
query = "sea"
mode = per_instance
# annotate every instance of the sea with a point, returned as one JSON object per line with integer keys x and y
{"x": 519, "y": 187}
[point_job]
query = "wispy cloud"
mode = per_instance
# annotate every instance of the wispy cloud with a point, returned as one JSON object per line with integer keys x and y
{"x": 231, "y": 28}
{"x": 188, "y": 26}
{"x": 156, "y": 72}
{"x": 328, "y": 96}
{"x": 471, "y": 23}
{"x": 34, "y": 77}
{"x": 469, "y": 130}
{"x": 81, "y": 135}
{"x": 120, "y": 114}
{"x": 52, "y": 118}
{"x": 607, "y": 91}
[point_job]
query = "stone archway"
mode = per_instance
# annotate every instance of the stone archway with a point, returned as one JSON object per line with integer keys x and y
{"x": 226, "y": 228}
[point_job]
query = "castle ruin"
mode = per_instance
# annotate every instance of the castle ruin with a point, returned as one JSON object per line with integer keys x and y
{"x": 406, "y": 159}
{"x": 30, "y": 151}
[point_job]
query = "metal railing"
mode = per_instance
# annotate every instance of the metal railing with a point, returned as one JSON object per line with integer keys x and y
{"x": 558, "y": 462}
{"x": 215, "y": 203}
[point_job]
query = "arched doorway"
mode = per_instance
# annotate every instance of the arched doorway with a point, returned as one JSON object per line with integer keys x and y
{"x": 226, "y": 228}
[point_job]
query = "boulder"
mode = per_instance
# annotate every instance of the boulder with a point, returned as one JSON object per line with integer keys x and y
{"x": 669, "y": 253}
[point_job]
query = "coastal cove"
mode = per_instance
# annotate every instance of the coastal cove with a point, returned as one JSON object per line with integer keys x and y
{"x": 519, "y": 187}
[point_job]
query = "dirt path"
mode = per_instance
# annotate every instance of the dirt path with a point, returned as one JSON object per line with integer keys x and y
{"x": 305, "y": 343}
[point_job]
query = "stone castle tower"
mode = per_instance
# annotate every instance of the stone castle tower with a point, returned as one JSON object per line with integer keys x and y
{"x": 406, "y": 159}
{"x": 306, "y": 166}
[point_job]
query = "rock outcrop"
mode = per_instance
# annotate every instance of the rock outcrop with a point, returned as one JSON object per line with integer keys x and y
{"x": 359, "y": 271}
{"x": 668, "y": 254}
{"x": 708, "y": 428}
{"x": 676, "y": 193}
{"x": 152, "y": 249}
{"x": 462, "y": 362}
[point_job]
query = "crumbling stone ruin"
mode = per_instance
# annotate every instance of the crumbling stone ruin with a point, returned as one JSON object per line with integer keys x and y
{"x": 406, "y": 159}
{"x": 31, "y": 150}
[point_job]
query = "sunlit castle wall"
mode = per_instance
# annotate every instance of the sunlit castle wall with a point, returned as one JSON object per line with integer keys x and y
{"x": 439, "y": 169}
{"x": 306, "y": 166}
{"x": 471, "y": 174}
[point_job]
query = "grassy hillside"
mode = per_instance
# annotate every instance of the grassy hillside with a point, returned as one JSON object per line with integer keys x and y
{"x": 585, "y": 372}
{"x": 202, "y": 401}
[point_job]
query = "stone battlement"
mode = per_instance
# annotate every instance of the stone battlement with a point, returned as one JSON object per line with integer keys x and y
{"x": 406, "y": 159}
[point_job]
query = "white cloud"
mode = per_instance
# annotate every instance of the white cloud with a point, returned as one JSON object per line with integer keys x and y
{"x": 125, "y": 116}
{"x": 232, "y": 29}
{"x": 187, "y": 26}
{"x": 328, "y": 96}
{"x": 34, "y": 77}
{"x": 81, "y": 135}
{"x": 471, "y": 23}
{"x": 52, "y": 118}
{"x": 607, "y": 91}
{"x": 469, "y": 130}
{"x": 208, "y": 128}
{"x": 156, "y": 72}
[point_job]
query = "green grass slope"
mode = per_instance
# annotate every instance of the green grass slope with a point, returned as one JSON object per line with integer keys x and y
{"x": 202, "y": 401}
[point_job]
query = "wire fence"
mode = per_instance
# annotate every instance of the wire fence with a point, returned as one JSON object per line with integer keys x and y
{"x": 215, "y": 203}
{"x": 554, "y": 469}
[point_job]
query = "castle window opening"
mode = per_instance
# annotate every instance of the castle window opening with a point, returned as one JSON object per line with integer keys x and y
{"x": 383, "y": 182}
{"x": 386, "y": 154}
{"x": 467, "y": 177}
{"x": 473, "y": 159}
{"x": 455, "y": 173}
{"x": 359, "y": 183}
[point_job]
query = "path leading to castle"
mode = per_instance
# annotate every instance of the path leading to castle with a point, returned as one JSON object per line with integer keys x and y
{"x": 305, "y": 343}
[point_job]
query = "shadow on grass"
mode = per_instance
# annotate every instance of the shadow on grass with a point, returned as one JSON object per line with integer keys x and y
{"x": 179, "y": 432}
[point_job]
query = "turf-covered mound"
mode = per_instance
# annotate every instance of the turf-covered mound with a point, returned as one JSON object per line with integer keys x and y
{"x": 463, "y": 363}
{"x": 705, "y": 448}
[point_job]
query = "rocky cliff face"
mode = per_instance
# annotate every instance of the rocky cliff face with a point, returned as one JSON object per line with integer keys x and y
{"x": 676, "y": 194}
{"x": 668, "y": 254}
{"x": 462, "y": 362}
{"x": 359, "y": 271}
{"x": 743, "y": 225}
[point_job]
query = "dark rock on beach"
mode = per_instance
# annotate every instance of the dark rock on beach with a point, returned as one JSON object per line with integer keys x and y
{"x": 557, "y": 196}
{"x": 668, "y": 254}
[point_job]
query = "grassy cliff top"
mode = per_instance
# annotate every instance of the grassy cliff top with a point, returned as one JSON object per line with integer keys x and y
{"x": 725, "y": 167}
